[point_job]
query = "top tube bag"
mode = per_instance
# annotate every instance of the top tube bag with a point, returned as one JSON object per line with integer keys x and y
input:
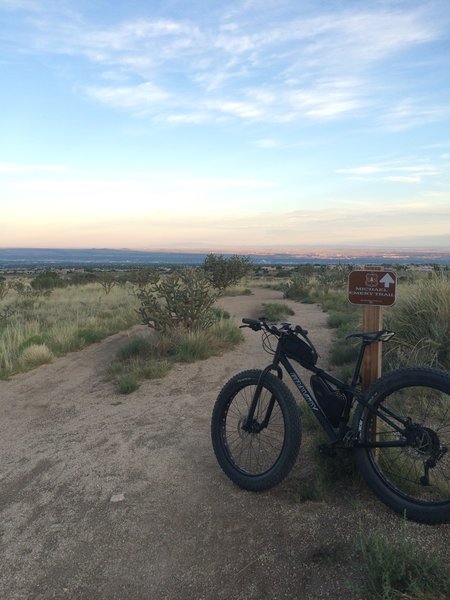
{"x": 299, "y": 351}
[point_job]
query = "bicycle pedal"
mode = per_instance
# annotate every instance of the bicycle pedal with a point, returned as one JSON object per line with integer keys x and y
{"x": 327, "y": 450}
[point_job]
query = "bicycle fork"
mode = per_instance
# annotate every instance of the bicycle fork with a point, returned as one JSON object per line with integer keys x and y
{"x": 251, "y": 425}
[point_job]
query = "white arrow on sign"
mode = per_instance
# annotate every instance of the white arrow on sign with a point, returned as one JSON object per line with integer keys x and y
{"x": 387, "y": 280}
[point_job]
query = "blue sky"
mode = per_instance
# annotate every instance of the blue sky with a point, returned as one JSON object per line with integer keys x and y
{"x": 224, "y": 124}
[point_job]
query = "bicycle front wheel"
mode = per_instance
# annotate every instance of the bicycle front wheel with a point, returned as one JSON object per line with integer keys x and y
{"x": 259, "y": 456}
{"x": 407, "y": 458}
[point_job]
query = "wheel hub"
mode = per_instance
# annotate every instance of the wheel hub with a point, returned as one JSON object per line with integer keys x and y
{"x": 423, "y": 442}
{"x": 244, "y": 430}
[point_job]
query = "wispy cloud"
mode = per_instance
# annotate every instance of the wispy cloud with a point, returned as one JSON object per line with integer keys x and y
{"x": 394, "y": 171}
{"x": 135, "y": 98}
{"x": 315, "y": 67}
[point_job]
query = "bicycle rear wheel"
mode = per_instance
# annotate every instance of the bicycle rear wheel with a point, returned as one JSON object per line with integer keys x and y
{"x": 411, "y": 477}
{"x": 259, "y": 458}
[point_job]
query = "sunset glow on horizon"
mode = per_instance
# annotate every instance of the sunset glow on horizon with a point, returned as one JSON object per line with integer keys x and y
{"x": 247, "y": 124}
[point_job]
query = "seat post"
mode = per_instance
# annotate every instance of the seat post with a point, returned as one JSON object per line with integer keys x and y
{"x": 362, "y": 349}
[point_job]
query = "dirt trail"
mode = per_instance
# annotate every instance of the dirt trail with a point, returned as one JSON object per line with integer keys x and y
{"x": 69, "y": 443}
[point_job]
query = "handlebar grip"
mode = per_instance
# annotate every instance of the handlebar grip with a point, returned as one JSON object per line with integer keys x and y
{"x": 300, "y": 330}
{"x": 250, "y": 321}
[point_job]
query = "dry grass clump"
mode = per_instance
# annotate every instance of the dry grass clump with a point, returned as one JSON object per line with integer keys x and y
{"x": 34, "y": 356}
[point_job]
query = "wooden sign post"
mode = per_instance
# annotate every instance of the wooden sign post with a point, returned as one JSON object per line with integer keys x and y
{"x": 371, "y": 367}
{"x": 373, "y": 288}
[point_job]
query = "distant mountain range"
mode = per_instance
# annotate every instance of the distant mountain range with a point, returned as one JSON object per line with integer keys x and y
{"x": 20, "y": 258}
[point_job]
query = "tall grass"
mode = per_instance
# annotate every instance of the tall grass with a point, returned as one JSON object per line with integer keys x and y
{"x": 421, "y": 320}
{"x": 68, "y": 320}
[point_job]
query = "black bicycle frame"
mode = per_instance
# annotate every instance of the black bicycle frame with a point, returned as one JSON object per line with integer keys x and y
{"x": 335, "y": 436}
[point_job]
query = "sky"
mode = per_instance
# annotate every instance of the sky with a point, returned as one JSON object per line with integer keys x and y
{"x": 222, "y": 124}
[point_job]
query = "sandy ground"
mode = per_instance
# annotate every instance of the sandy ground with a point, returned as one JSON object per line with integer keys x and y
{"x": 69, "y": 445}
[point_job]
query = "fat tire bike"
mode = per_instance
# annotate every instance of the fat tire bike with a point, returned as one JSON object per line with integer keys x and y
{"x": 398, "y": 429}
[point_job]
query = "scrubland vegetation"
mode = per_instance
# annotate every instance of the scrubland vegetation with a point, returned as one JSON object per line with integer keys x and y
{"x": 50, "y": 314}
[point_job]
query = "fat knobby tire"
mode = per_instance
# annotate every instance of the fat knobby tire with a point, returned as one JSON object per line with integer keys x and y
{"x": 289, "y": 419}
{"x": 413, "y": 508}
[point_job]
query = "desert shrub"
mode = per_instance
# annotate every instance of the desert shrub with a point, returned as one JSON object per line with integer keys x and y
{"x": 397, "y": 568}
{"x": 127, "y": 383}
{"x": 180, "y": 300}
{"x": 81, "y": 278}
{"x": 226, "y": 334}
{"x": 47, "y": 280}
{"x": 142, "y": 357}
{"x": 421, "y": 320}
{"x": 144, "y": 276}
{"x": 89, "y": 335}
{"x": 220, "y": 313}
{"x": 338, "y": 320}
{"x": 137, "y": 346}
{"x": 225, "y": 272}
{"x": 332, "y": 277}
{"x": 193, "y": 346}
{"x": 35, "y": 355}
{"x": 237, "y": 291}
{"x": 298, "y": 288}
{"x": 276, "y": 312}
{"x": 33, "y": 340}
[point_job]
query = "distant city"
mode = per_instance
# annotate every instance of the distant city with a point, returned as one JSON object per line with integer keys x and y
{"x": 35, "y": 258}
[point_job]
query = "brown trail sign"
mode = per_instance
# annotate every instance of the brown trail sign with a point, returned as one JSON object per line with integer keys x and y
{"x": 372, "y": 287}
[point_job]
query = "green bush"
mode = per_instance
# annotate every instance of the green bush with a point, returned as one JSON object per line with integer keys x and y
{"x": 89, "y": 336}
{"x": 220, "y": 313}
{"x": 237, "y": 291}
{"x": 127, "y": 384}
{"x": 180, "y": 300}
{"x": 138, "y": 346}
{"x": 225, "y": 272}
{"x": 276, "y": 312}
{"x": 298, "y": 288}
{"x": 193, "y": 346}
{"x": 47, "y": 280}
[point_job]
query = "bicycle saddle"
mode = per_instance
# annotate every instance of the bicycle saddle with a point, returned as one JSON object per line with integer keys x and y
{"x": 373, "y": 336}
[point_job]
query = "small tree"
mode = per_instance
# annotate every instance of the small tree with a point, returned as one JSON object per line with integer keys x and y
{"x": 107, "y": 280}
{"x": 224, "y": 272}
{"x": 180, "y": 300}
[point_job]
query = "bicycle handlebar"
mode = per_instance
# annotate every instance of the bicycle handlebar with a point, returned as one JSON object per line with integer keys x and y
{"x": 261, "y": 323}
